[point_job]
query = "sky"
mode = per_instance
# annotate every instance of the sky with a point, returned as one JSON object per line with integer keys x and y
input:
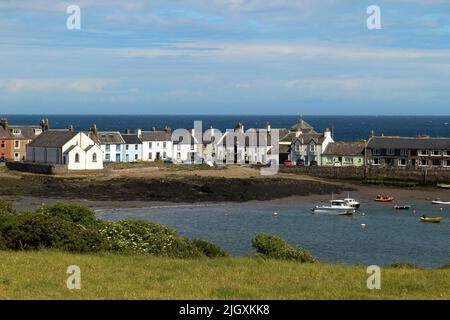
{"x": 225, "y": 57}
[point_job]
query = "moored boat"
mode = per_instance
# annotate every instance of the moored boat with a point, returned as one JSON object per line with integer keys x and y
{"x": 352, "y": 203}
{"x": 439, "y": 201}
{"x": 336, "y": 207}
{"x": 402, "y": 207}
{"x": 431, "y": 220}
{"x": 443, "y": 185}
{"x": 384, "y": 198}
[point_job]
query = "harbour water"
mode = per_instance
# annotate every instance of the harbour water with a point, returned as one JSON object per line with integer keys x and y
{"x": 346, "y": 128}
{"x": 389, "y": 236}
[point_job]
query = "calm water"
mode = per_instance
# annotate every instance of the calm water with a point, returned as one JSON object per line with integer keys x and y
{"x": 389, "y": 236}
{"x": 346, "y": 127}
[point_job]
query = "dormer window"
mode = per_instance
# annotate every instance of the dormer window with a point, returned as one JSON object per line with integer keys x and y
{"x": 312, "y": 147}
{"x": 37, "y": 131}
{"x": 16, "y": 132}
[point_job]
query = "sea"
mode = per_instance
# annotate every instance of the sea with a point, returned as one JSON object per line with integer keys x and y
{"x": 345, "y": 128}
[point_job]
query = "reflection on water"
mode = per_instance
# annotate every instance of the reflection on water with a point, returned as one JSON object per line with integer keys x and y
{"x": 388, "y": 236}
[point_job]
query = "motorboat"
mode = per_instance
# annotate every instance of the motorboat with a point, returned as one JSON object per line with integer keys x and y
{"x": 431, "y": 220}
{"x": 439, "y": 201}
{"x": 443, "y": 185}
{"x": 352, "y": 203}
{"x": 402, "y": 207}
{"x": 384, "y": 198}
{"x": 336, "y": 207}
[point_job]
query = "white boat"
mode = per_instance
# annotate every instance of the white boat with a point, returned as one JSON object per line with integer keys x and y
{"x": 443, "y": 185}
{"x": 336, "y": 207}
{"x": 439, "y": 201}
{"x": 352, "y": 203}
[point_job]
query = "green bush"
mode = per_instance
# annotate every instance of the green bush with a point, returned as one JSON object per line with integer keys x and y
{"x": 403, "y": 265}
{"x": 209, "y": 249}
{"x": 445, "y": 266}
{"x": 31, "y": 231}
{"x": 143, "y": 237}
{"x": 6, "y": 206}
{"x": 274, "y": 247}
{"x": 70, "y": 212}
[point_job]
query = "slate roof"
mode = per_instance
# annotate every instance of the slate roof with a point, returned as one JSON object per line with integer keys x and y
{"x": 389, "y": 142}
{"x": 26, "y": 132}
{"x": 4, "y": 134}
{"x": 303, "y": 126}
{"x": 344, "y": 149}
{"x": 53, "y": 138}
{"x": 261, "y": 140}
{"x": 131, "y": 139}
{"x": 156, "y": 136}
{"x": 110, "y": 137}
{"x": 306, "y": 138}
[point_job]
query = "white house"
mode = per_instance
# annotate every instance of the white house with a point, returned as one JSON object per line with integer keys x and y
{"x": 63, "y": 147}
{"x": 156, "y": 145}
{"x": 186, "y": 147}
{"x": 251, "y": 146}
{"x": 111, "y": 143}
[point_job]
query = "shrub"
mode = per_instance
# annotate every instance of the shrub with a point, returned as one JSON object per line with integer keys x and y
{"x": 30, "y": 231}
{"x": 70, "y": 212}
{"x": 209, "y": 249}
{"x": 274, "y": 247}
{"x": 403, "y": 265}
{"x": 445, "y": 266}
{"x": 143, "y": 237}
{"x": 6, "y": 206}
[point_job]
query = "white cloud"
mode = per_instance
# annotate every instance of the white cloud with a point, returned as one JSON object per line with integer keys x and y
{"x": 55, "y": 85}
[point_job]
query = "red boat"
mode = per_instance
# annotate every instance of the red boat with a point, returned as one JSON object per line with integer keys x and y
{"x": 383, "y": 198}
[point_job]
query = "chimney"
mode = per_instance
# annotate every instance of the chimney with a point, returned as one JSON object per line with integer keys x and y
{"x": 93, "y": 129}
{"x": 372, "y": 133}
{"x": 267, "y": 125}
{"x": 167, "y": 129}
{"x": 4, "y": 123}
{"x": 153, "y": 129}
{"x": 327, "y": 133}
{"x": 138, "y": 132}
{"x": 71, "y": 128}
{"x": 127, "y": 131}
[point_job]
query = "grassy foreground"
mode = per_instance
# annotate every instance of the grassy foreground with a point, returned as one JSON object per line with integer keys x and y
{"x": 42, "y": 275}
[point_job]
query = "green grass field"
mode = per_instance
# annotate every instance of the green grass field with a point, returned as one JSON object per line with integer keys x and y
{"x": 42, "y": 275}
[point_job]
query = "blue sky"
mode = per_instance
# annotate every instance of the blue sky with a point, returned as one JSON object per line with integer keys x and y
{"x": 225, "y": 57}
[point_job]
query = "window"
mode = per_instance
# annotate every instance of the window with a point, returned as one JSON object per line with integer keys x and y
{"x": 446, "y": 163}
{"x": 164, "y": 145}
{"x": 77, "y": 158}
{"x": 108, "y": 147}
{"x": 447, "y": 153}
{"x": 297, "y": 147}
{"x": 312, "y": 147}
{"x": 135, "y": 157}
{"x": 402, "y": 162}
{"x": 94, "y": 157}
{"x": 16, "y": 144}
{"x": 390, "y": 152}
{"x": 16, "y": 157}
{"x": 3, "y": 144}
{"x": 436, "y": 162}
{"x": 150, "y": 145}
{"x": 157, "y": 144}
{"x": 376, "y": 161}
{"x": 117, "y": 157}
{"x": 348, "y": 160}
{"x": 164, "y": 155}
{"x": 178, "y": 147}
{"x": 16, "y": 132}
{"x": 403, "y": 152}
{"x": 192, "y": 147}
{"x": 117, "y": 147}
{"x": 179, "y": 155}
{"x": 423, "y": 162}
{"x": 135, "y": 147}
{"x": 435, "y": 153}
{"x": 377, "y": 152}
{"x": 127, "y": 147}
{"x": 329, "y": 159}
{"x": 107, "y": 157}
{"x": 423, "y": 152}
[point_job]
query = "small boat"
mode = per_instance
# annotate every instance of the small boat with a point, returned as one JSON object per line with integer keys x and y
{"x": 431, "y": 220}
{"x": 439, "y": 201}
{"x": 402, "y": 207}
{"x": 383, "y": 198}
{"x": 443, "y": 185}
{"x": 352, "y": 203}
{"x": 336, "y": 207}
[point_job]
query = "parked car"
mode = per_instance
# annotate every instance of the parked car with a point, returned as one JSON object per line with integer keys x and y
{"x": 288, "y": 163}
{"x": 2, "y": 160}
{"x": 168, "y": 160}
{"x": 313, "y": 164}
{"x": 300, "y": 162}
{"x": 337, "y": 164}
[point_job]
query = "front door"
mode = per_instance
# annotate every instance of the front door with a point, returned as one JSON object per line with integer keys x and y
{"x": 118, "y": 157}
{"x": 158, "y": 156}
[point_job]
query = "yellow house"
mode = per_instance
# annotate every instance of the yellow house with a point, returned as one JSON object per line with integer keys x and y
{"x": 344, "y": 154}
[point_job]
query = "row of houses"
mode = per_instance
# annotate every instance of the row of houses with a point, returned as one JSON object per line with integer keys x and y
{"x": 300, "y": 143}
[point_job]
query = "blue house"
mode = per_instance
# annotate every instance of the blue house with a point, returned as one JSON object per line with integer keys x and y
{"x": 132, "y": 149}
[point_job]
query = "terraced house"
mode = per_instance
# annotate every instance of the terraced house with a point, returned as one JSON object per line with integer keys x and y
{"x": 133, "y": 147}
{"x": 156, "y": 145}
{"x": 409, "y": 152}
{"x": 344, "y": 154}
{"x": 111, "y": 143}
{"x": 14, "y": 139}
